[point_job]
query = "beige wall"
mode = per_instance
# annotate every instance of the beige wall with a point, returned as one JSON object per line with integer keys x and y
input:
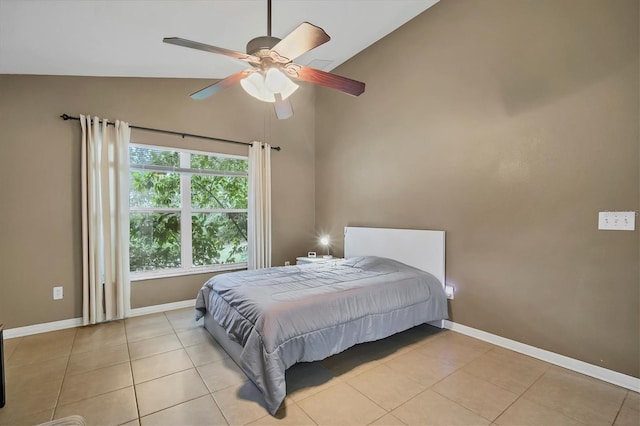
{"x": 509, "y": 124}
{"x": 40, "y": 170}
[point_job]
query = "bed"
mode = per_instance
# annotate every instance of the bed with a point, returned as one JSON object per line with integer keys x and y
{"x": 269, "y": 319}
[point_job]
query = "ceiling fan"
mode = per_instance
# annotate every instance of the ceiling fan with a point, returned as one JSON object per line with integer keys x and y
{"x": 271, "y": 59}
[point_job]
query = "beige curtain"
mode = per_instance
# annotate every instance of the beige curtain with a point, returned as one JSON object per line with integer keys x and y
{"x": 259, "y": 220}
{"x": 105, "y": 219}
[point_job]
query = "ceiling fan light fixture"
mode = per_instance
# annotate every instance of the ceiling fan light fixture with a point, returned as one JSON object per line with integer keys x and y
{"x": 277, "y": 82}
{"x": 265, "y": 87}
{"x": 288, "y": 89}
{"x": 255, "y": 86}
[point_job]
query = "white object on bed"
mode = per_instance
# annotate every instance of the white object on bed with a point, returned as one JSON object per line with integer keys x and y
{"x": 421, "y": 249}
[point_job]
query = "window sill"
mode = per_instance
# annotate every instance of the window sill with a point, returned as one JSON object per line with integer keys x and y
{"x": 168, "y": 273}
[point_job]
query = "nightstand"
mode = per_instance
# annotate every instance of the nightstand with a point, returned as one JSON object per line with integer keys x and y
{"x": 304, "y": 260}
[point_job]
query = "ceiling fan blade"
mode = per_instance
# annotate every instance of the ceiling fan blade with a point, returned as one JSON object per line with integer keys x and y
{"x": 282, "y": 107}
{"x": 222, "y": 84}
{"x": 213, "y": 49}
{"x": 332, "y": 81}
{"x": 301, "y": 40}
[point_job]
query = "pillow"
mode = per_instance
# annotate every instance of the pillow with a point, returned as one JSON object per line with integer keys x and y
{"x": 369, "y": 263}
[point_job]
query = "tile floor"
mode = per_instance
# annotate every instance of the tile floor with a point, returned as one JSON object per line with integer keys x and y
{"x": 164, "y": 369}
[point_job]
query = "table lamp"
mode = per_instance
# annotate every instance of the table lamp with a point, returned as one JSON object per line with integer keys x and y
{"x": 325, "y": 242}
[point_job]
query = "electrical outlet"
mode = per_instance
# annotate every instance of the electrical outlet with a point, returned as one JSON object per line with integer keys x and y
{"x": 449, "y": 290}
{"x": 57, "y": 293}
{"x": 287, "y": 263}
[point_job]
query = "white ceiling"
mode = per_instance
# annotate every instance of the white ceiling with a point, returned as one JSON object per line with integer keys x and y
{"x": 124, "y": 37}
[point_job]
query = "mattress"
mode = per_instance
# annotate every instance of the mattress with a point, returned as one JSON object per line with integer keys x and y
{"x": 284, "y": 315}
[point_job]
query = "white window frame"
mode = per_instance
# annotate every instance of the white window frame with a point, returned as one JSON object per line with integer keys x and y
{"x": 186, "y": 248}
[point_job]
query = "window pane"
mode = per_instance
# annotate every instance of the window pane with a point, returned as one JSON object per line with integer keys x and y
{"x": 219, "y": 192}
{"x": 155, "y": 157}
{"x": 210, "y": 162}
{"x": 154, "y": 241}
{"x": 219, "y": 238}
{"x": 154, "y": 189}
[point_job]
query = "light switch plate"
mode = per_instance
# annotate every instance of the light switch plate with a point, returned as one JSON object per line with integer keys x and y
{"x": 57, "y": 293}
{"x": 617, "y": 221}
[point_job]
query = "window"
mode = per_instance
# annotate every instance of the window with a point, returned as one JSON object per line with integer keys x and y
{"x": 188, "y": 211}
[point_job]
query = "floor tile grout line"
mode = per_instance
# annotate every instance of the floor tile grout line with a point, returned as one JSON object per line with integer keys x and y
{"x": 387, "y": 414}
{"x": 540, "y": 404}
{"x": 498, "y": 385}
{"x": 383, "y": 409}
{"x": 620, "y": 408}
{"x": 304, "y": 411}
{"x": 135, "y": 390}
{"x": 388, "y": 411}
{"x": 466, "y": 408}
{"x": 226, "y": 419}
{"x": 522, "y": 396}
{"x": 164, "y": 375}
{"x": 174, "y": 405}
{"x": 20, "y": 340}
{"x": 94, "y": 369}
{"x": 181, "y": 348}
{"x": 417, "y": 395}
{"x": 353, "y": 388}
{"x": 96, "y": 395}
{"x": 64, "y": 376}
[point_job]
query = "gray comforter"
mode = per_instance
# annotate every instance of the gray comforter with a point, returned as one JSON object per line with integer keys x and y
{"x": 291, "y": 314}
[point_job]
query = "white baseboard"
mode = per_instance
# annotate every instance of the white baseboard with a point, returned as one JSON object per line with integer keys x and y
{"x": 76, "y": 322}
{"x": 619, "y": 379}
{"x": 161, "y": 308}
{"x": 437, "y": 323}
{"x": 41, "y": 328}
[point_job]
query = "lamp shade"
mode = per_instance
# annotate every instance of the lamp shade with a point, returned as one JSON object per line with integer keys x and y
{"x": 255, "y": 86}
{"x": 277, "y": 82}
{"x": 324, "y": 240}
{"x": 289, "y": 88}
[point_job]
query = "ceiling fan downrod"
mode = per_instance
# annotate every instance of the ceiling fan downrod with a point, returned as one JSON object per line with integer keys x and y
{"x": 260, "y": 46}
{"x": 268, "y": 18}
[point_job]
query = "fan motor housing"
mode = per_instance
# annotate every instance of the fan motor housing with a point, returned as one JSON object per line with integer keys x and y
{"x": 259, "y": 46}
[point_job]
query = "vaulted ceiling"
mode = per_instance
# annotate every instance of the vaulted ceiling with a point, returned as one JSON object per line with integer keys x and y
{"x": 124, "y": 37}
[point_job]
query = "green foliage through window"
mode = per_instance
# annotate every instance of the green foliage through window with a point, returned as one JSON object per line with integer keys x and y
{"x": 162, "y": 212}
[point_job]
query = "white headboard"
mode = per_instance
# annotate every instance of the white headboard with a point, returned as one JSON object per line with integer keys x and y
{"x": 418, "y": 248}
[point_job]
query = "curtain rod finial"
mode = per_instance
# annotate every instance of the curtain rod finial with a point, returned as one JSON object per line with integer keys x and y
{"x": 64, "y": 117}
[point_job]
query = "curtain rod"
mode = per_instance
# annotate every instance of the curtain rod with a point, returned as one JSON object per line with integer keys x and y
{"x": 277, "y": 148}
